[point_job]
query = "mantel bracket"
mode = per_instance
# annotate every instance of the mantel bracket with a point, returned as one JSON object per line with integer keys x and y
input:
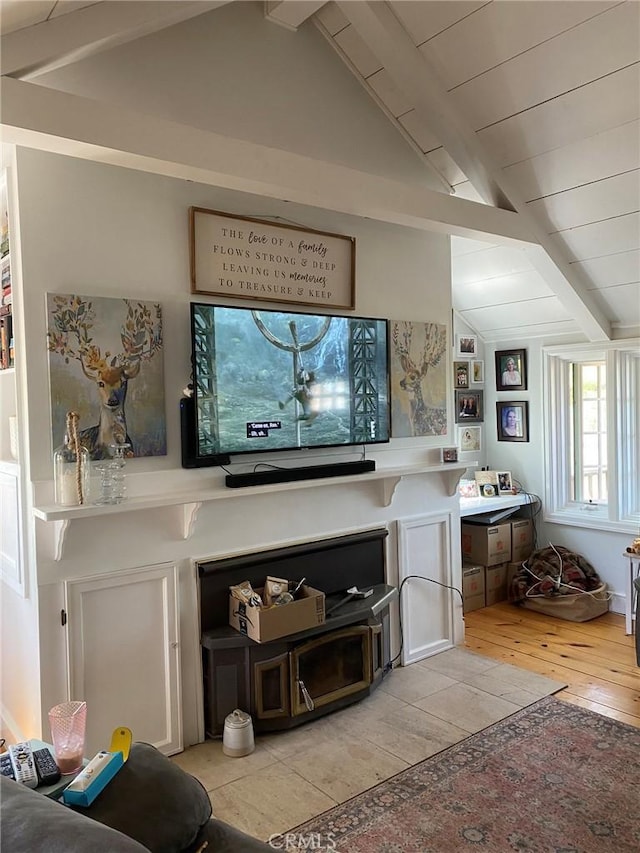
{"x": 189, "y": 515}
{"x": 389, "y": 486}
{"x": 452, "y": 479}
{"x": 60, "y": 527}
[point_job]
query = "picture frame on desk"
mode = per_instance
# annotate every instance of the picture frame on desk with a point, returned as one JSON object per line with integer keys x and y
{"x": 487, "y": 482}
{"x": 505, "y": 483}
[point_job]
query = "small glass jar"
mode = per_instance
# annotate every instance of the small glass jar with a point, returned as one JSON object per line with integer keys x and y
{"x": 71, "y": 473}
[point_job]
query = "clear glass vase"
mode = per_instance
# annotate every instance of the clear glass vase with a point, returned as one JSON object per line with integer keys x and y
{"x": 112, "y": 478}
{"x": 71, "y": 473}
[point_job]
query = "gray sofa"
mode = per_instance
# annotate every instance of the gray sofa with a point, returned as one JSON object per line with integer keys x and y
{"x": 150, "y": 805}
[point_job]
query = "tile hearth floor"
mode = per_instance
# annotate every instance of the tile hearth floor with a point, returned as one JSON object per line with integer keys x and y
{"x": 416, "y": 712}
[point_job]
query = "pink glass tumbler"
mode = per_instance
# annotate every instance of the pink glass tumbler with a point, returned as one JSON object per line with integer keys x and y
{"x": 67, "y": 723}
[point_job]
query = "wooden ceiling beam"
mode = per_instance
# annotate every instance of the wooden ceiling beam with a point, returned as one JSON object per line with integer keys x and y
{"x": 59, "y": 41}
{"x": 39, "y": 117}
{"x": 291, "y": 13}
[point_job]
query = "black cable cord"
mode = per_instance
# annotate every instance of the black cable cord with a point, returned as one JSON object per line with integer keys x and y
{"x": 408, "y": 578}
{"x": 534, "y": 504}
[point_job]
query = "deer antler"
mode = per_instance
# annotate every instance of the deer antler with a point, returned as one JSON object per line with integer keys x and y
{"x": 73, "y": 319}
{"x": 402, "y": 340}
{"x": 141, "y": 334}
{"x": 435, "y": 344}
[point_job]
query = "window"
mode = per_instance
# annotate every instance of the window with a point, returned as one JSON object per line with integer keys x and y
{"x": 592, "y": 414}
{"x": 589, "y": 432}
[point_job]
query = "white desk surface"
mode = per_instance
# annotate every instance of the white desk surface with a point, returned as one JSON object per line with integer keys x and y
{"x": 474, "y": 506}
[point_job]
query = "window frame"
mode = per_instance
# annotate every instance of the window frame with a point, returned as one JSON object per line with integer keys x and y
{"x": 621, "y": 513}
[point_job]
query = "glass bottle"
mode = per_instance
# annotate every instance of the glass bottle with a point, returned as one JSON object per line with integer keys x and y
{"x": 112, "y": 478}
{"x": 71, "y": 467}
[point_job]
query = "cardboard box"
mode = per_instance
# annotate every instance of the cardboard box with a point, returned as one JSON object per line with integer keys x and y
{"x": 486, "y": 545}
{"x": 264, "y": 625}
{"x": 474, "y": 602}
{"x": 521, "y": 539}
{"x": 495, "y": 584}
{"x": 472, "y": 587}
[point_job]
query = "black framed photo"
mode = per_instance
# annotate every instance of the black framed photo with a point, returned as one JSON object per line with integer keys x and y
{"x": 511, "y": 370}
{"x": 513, "y": 420}
{"x": 469, "y": 407}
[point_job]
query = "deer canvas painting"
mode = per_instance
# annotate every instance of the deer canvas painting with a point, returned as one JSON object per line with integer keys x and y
{"x": 106, "y": 363}
{"x": 418, "y": 379}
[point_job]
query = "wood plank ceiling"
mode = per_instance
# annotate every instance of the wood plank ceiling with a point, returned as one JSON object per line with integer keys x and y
{"x": 526, "y": 105}
{"x": 544, "y": 98}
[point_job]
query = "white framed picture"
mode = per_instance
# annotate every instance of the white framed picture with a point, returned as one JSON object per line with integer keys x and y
{"x": 466, "y": 345}
{"x": 477, "y": 372}
{"x": 469, "y": 438}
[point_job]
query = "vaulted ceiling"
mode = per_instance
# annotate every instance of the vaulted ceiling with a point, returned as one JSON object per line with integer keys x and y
{"x": 530, "y": 109}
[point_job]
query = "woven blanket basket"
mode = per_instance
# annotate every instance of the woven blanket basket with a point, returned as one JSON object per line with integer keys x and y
{"x": 576, "y": 608}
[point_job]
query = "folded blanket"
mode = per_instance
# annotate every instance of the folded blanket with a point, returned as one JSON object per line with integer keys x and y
{"x": 551, "y": 572}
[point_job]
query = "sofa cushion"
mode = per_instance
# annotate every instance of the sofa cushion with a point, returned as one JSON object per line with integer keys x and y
{"x": 154, "y": 801}
{"x": 219, "y": 837}
{"x": 33, "y": 823}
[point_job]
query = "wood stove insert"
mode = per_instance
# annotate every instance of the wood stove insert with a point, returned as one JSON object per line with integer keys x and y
{"x": 303, "y": 676}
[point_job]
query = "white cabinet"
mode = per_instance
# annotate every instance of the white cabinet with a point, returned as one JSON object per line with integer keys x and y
{"x": 429, "y": 577}
{"x": 124, "y": 655}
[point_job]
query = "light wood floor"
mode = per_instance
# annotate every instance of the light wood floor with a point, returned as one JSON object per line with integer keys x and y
{"x": 595, "y": 659}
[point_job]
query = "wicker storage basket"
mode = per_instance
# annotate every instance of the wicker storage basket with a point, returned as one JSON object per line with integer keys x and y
{"x": 576, "y": 608}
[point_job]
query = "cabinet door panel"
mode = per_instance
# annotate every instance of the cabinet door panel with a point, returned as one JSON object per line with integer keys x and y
{"x": 124, "y": 655}
{"x": 424, "y": 551}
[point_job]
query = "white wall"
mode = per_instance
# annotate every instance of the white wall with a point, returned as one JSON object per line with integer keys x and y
{"x": 233, "y": 72}
{"x": 107, "y": 231}
{"x": 101, "y": 230}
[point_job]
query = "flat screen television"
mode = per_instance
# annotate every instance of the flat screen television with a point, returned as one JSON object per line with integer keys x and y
{"x": 269, "y": 380}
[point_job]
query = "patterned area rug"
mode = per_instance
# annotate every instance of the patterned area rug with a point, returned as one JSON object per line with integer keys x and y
{"x": 552, "y": 778}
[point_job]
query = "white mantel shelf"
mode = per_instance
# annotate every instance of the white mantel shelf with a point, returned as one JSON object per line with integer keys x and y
{"x": 189, "y": 502}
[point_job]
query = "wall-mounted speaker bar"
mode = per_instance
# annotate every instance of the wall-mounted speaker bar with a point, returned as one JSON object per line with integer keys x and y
{"x": 289, "y": 475}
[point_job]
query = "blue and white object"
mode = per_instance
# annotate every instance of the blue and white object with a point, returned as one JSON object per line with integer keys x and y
{"x": 92, "y": 779}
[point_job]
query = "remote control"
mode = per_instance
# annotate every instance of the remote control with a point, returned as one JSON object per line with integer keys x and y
{"x": 6, "y": 766}
{"x": 23, "y": 766}
{"x": 47, "y": 769}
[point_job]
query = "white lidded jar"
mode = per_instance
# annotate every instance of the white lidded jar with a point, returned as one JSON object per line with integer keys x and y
{"x": 237, "y": 739}
{"x": 71, "y": 467}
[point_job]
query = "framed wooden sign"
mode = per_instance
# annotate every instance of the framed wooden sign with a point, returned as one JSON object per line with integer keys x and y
{"x": 246, "y": 258}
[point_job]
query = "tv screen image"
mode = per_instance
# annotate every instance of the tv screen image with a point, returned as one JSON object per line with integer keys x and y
{"x": 272, "y": 380}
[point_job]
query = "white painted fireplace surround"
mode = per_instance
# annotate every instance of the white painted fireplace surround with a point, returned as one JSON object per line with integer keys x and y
{"x": 133, "y": 625}
{"x": 125, "y": 576}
